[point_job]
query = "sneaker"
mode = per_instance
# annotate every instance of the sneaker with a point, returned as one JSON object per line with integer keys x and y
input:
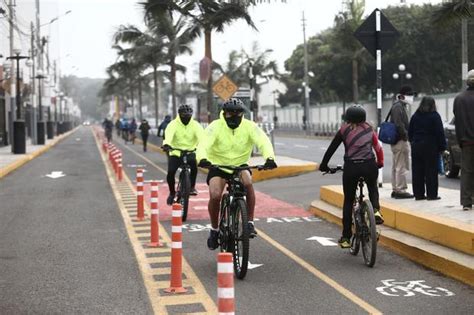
{"x": 378, "y": 217}
{"x": 170, "y": 199}
{"x": 252, "y": 232}
{"x": 467, "y": 207}
{"x": 344, "y": 242}
{"x": 401, "y": 195}
{"x": 213, "y": 240}
{"x": 193, "y": 192}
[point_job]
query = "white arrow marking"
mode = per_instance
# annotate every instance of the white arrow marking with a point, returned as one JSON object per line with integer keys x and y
{"x": 325, "y": 241}
{"x": 250, "y": 265}
{"x": 56, "y": 174}
{"x": 78, "y": 139}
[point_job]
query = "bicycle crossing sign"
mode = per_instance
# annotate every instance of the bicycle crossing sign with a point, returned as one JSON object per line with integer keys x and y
{"x": 224, "y": 87}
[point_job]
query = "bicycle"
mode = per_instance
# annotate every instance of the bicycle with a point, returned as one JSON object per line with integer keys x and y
{"x": 233, "y": 221}
{"x": 184, "y": 184}
{"x": 364, "y": 230}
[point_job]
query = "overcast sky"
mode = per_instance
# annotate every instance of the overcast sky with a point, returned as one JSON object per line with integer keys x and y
{"x": 81, "y": 40}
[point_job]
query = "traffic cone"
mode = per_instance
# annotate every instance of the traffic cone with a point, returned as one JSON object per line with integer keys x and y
{"x": 119, "y": 167}
{"x": 155, "y": 236}
{"x": 140, "y": 205}
{"x": 176, "y": 282}
{"x": 225, "y": 283}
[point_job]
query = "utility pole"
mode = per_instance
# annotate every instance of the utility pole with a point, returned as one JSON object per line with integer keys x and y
{"x": 10, "y": 112}
{"x": 306, "y": 83}
{"x": 33, "y": 125}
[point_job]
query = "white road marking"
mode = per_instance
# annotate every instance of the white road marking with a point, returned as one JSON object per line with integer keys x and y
{"x": 56, "y": 174}
{"x": 301, "y": 146}
{"x": 325, "y": 241}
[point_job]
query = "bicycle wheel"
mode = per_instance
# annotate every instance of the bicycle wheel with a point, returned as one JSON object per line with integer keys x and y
{"x": 240, "y": 237}
{"x": 368, "y": 233}
{"x": 355, "y": 241}
{"x": 226, "y": 245}
{"x": 184, "y": 189}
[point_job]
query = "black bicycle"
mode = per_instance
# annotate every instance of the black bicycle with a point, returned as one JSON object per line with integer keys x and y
{"x": 233, "y": 222}
{"x": 184, "y": 183}
{"x": 364, "y": 230}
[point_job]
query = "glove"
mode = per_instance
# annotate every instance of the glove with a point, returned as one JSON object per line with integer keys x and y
{"x": 270, "y": 164}
{"x": 166, "y": 148}
{"x": 323, "y": 168}
{"x": 204, "y": 163}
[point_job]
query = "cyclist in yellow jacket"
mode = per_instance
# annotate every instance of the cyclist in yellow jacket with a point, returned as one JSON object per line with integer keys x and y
{"x": 229, "y": 141}
{"x": 182, "y": 133}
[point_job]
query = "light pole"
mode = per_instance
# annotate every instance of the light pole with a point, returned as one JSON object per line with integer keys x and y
{"x": 60, "y": 122}
{"x": 401, "y": 73}
{"x": 19, "y": 137}
{"x": 40, "y": 125}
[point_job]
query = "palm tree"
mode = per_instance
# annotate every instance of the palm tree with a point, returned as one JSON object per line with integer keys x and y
{"x": 451, "y": 12}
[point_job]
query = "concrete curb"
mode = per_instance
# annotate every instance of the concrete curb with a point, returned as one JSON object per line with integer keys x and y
{"x": 444, "y": 231}
{"x": 447, "y": 261}
{"x": 4, "y": 171}
{"x": 257, "y": 176}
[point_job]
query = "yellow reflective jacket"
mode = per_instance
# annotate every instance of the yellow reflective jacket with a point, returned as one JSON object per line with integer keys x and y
{"x": 225, "y": 146}
{"x": 181, "y": 136}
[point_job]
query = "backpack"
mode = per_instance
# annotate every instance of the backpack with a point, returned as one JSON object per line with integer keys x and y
{"x": 388, "y": 131}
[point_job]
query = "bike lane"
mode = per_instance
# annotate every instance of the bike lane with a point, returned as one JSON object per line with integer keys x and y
{"x": 279, "y": 281}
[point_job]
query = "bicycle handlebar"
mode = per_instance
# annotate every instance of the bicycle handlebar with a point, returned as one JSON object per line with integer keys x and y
{"x": 181, "y": 150}
{"x": 240, "y": 168}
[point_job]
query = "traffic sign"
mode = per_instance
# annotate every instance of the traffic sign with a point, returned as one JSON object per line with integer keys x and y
{"x": 367, "y": 36}
{"x": 224, "y": 87}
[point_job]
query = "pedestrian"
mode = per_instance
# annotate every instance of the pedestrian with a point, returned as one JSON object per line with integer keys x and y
{"x": 401, "y": 149}
{"x": 124, "y": 128}
{"x": 118, "y": 126}
{"x": 427, "y": 139}
{"x": 463, "y": 110}
{"x": 132, "y": 129}
{"x": 163, "y": 125}
{"x": 144, "y": 130}
{"x": 108, "y": 125}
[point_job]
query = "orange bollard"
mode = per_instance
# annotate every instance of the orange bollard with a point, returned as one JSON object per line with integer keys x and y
{"x": 119, "y": 167}
{"x": 176, "y": 283}
{"x": 140, "y": 205}
{"x": 225, "y": 284}
{"x": 155, "y": 235}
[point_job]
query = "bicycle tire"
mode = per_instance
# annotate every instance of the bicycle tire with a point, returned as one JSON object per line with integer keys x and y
{"x": 369, "y": 234}
{"x": 355, "y": 240}
{"x": 240, "y": 237}
{"x": 224, "y": 224}
{"x": 185, "y": 188}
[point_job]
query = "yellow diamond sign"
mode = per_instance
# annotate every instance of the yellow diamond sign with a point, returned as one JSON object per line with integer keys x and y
{"x": 224, "y": 87}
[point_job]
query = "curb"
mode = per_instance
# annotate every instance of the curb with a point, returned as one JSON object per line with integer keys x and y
{"x": 444, "y": 260}
{"x": 4, "y": 171}
{"x": 444, "y": 231}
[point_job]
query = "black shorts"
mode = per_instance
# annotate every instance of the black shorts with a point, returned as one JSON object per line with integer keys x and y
{"x": 217, "y": 172}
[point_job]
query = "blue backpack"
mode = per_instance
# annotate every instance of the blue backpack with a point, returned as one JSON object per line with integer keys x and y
{"x": 388, "y": 131}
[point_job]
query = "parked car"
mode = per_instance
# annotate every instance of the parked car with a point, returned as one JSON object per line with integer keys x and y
{"x": 452, "y": 155}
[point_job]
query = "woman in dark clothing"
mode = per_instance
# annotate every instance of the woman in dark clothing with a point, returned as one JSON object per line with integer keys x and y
{"x": 426, "y": 136}
{"x": 144, "y": 131}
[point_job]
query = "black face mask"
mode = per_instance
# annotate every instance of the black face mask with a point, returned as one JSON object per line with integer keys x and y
{"x": 185, "y": 120}
{"x": 233, "y": 121}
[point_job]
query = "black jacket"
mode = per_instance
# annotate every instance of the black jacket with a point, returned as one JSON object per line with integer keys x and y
{"x": 463, "y": 110}
{"x": 427, "y": 128}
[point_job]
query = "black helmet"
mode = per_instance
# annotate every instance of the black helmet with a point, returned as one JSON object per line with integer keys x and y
{"x": 185, "y": 110}
{"x": 355, "y": 114}
{"x": 233, "y": 105}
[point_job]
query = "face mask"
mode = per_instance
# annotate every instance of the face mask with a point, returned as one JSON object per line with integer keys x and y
{"x": 233, "y": 121}
{"x": 409, "y": 99}
{"x": 185, "y": 120}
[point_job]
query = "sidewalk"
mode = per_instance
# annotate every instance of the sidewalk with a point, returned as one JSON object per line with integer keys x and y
{"x": 437, "y": 234}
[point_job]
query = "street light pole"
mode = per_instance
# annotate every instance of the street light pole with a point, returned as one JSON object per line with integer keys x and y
{"x": 40, "y": 125}
{"x": 306, "y": 83}
{"x": 401, "y": 72}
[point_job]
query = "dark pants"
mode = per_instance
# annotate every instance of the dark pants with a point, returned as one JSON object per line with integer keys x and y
{"x": 467, "y": 175}
{"x": 174, "y": 163}
{"x": 424, "y": 160}
{"x": 352, "y": 172}
{"x": 144, "y": 139}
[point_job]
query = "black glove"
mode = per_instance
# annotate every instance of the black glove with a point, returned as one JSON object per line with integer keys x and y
{"x": 166, "y": 148}
{"x": 204, "y": 163}
{"x": 270, "y": 164}
{"x": 323, "y": 168}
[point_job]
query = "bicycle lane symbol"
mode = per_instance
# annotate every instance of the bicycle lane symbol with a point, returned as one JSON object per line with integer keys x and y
{"x": 411, "y": 288}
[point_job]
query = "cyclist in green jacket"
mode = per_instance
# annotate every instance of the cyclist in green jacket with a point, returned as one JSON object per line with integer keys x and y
{"x": 182, "y": 133}
{"x": 229, "y": 141}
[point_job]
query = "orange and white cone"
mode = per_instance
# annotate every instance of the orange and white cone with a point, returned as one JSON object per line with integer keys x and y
{"x": 140, "y": 197}
{"x": 119, "y": 167}
{"x": 225, "y": 284}
{"x": 176, "y": 283}
{"x": 154, "y": 236}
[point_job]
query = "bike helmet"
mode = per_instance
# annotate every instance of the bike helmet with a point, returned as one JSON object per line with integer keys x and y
{"x": 355, "y": 114}
{"x": 233, "y": 105}
{"x": 185, "y": 110}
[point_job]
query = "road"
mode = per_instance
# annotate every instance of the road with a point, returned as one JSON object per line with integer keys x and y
{"x": 64, "y": 248}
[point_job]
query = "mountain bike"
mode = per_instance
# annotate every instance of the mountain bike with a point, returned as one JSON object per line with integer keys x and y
{"x": 184, "y": 183}
{"x": 233, "y": 219}
{"x": 364, "y": 230}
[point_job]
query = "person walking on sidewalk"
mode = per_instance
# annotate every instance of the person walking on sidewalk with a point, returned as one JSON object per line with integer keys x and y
{"x": 182, "y": 133}
{"x": 463, "y": 109}
{"x": 360, "y": 142}
{"x": 427, "y": 139}
{"x": 144, "y": 131}
{"x": 401, "y": 149}
{"x": 132, "y": 130}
